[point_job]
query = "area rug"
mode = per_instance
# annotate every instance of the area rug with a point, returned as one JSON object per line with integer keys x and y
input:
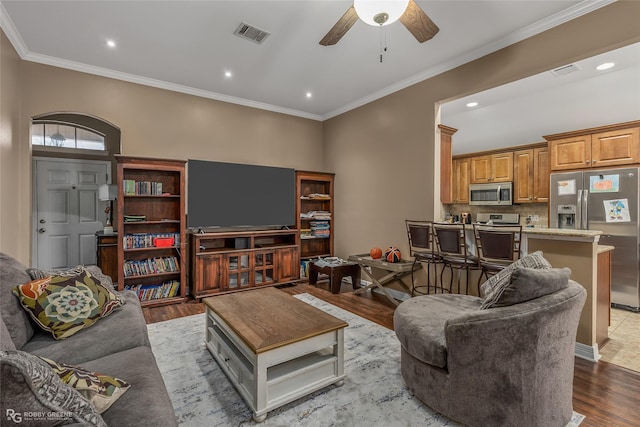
{"x": 373, "y": 393}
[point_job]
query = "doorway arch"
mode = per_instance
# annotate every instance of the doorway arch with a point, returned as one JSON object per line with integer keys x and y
{"x": 73, "y": 177}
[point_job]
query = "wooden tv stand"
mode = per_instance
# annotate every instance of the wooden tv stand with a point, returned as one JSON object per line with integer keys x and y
{"x": 240, "y": 260}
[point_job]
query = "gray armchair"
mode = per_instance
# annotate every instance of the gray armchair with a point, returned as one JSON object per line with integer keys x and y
{"x": 502, "y": 366}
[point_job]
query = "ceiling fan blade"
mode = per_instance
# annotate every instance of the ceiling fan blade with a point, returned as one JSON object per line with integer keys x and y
{"x": 340, "y": 28}
{"x": 418, "y": 23}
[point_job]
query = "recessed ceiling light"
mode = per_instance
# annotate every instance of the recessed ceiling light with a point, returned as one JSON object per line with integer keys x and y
{"x": 472, "y": 104}
{"x": 111, "y": 43}
{"x": 228, "y": 74}
{"x": 309, "y": 94}
{"x": 605, "y": 66}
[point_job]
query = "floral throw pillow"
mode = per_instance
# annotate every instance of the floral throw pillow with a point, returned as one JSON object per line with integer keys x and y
{"x": 101, "y": 390}
{"x": 64, "y": 305}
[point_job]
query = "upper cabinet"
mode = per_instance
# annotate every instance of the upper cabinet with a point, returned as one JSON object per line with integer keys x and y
{"x": 492, "y": 168}
{"x": 606, "y": 146}
{"x": 531, "y": 175}
{"x": 460, "y": 180}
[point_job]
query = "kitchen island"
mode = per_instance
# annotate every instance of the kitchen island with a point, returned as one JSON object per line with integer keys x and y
{"x": 590, "y": 266}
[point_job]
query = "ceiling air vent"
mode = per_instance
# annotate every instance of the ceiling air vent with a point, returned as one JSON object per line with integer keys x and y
{"x": 564, "y": 70}
{"x": 250, "y": 32}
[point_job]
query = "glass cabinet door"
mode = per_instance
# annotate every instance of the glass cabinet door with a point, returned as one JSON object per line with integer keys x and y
{"x": 238, "y": 271}
{"x": 264, "y": 268}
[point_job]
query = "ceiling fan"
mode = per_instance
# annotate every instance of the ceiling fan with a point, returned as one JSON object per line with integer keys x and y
{"x": 384, "y": 12}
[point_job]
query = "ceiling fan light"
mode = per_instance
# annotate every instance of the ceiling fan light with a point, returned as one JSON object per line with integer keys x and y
{"x": 367, "y": 10}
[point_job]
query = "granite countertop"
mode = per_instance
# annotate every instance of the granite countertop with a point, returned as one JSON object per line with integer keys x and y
{"x": 561, "y": 232}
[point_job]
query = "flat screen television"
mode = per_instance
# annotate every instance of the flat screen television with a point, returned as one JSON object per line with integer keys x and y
{"x": 239, "y": 195}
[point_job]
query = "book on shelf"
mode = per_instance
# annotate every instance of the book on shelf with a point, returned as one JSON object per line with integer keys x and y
{"x": 156, "y": 265}
{"x": 141, "y": 188}
{"x": 168, "y": 289}
{"x": 135, "y": 218}
{"x": 146, "y": 240}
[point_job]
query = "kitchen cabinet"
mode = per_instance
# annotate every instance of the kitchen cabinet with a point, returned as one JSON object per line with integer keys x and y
{"x": 492, "y": 168}
{"x": 531, "y": 175}
{"x": 614, "y": 148}
{"x": 614, "y": 145}
{"x": 460, "y": 180}
{"x": 446, "y": 164}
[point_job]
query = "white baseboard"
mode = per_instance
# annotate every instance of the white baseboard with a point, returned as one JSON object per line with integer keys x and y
{"x": 588, "y": 352}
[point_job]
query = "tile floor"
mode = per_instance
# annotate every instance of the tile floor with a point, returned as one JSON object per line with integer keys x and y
{"x": 623, "y": 347}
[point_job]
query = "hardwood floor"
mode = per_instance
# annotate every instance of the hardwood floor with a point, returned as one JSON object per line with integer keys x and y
{"x": 605, "y": 393}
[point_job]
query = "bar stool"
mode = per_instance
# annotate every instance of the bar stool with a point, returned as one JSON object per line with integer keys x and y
{"x": 451, "y": 241}
{"x": 497, "y": 247}
{"x": 422, "y": 249}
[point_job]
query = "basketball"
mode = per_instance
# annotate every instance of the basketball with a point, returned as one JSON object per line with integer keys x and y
{"x": 392, "y": 254}
{"x": 375, "y": 253}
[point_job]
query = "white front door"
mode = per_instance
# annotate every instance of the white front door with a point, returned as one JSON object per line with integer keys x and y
{"x": 67, "y": 212}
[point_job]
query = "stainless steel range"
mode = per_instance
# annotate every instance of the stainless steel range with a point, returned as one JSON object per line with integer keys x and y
{"x": 498, "y": 218}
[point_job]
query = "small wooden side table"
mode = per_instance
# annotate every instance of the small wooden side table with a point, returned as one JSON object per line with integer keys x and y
{"x": 395, "y": 272}
{"x": 336, "y": 273}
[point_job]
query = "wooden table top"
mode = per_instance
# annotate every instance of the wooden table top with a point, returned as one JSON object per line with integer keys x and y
{"x": 404, "y": 265}
{"x": 269, "y": 318}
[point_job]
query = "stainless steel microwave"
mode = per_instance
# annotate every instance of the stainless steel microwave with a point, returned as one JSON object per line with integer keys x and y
{"x": 491, "y": 194}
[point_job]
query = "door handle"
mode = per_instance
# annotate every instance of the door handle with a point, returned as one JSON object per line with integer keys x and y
{"x": 42, "y": 221}
{"x": 41, "y": 230}
{"x": 578, "y": 224}
{"x": 585, "y": 206}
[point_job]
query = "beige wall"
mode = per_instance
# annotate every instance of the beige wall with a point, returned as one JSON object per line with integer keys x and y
{"x": 154, "y": 123}
{"x": 161, "y": 123}
{"x": 383, "y": 152}
{"x": 14, "y": 200}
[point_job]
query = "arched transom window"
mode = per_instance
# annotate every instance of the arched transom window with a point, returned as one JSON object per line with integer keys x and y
{"x": 59, "y": 135}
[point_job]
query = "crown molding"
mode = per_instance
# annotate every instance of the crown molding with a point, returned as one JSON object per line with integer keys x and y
{"x": 12, "y": 32}
{"x": 582, "y": 8}
{"x": 160, "y": 84}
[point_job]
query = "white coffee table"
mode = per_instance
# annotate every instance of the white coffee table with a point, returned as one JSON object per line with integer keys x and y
{"x": 273, "y": 347}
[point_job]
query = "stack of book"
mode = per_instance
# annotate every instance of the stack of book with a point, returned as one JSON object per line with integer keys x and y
{"x": 320, "y": 228}
{"x": 149, "y": 266}
{"x": 315, "y": 215}
{"x": 135, "y": 218}
{"x": 316, "y": 196}
{"x": 150, "y": 292}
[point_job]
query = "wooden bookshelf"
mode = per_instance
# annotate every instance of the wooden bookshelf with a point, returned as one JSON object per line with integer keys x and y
{"x": 314, "y": 192}
{"x": 152, "y": 229}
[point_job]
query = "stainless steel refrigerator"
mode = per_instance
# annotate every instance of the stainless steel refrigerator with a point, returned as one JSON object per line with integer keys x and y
{"x": 605, "y": 200}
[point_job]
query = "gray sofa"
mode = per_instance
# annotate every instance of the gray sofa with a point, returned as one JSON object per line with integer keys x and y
{"x": 503, "y": 366}
{"x": 117, "y": 345}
